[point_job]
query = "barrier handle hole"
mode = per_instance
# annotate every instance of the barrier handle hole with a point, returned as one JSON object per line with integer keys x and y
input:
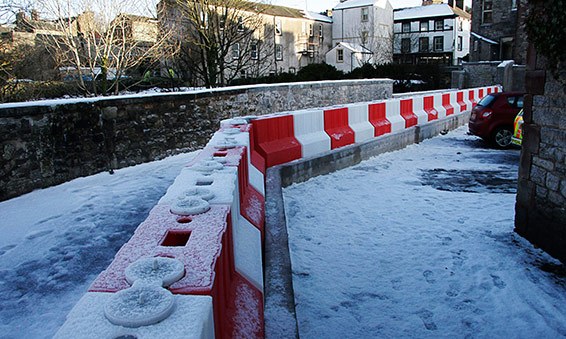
{"x": 176, "y": 238}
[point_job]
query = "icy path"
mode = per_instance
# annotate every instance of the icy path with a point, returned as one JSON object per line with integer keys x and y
{"x": 55, "y": 241}
{"x": 420, "y": 243}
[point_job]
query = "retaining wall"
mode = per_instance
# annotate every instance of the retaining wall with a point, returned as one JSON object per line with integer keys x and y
{"x": 46, "y": 143}
{"x": 198, "y": 259}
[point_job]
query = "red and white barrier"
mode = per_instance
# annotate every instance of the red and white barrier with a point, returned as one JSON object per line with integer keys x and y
{"x": 309, "y": 130}
{"x": 209, "y": 226}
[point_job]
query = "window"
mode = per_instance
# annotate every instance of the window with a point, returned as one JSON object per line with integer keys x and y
{"x": 240, "y": 24}
{"x": 460, "y": 25}
{"x": 339, "y": 55}
{"x": 406, "y": 27}
{"x": 311, "y": 30}
{"x": 320, "y": 31}
{"x": 278, "y": 30}
{"x": 365, "y": 14}
{"x": 278, "y": 52}
{"x": 236, "y": 51}
{"x": 406, "y": 45}
{"x": 424, "y": 26}
{"x": 254, "y": 51}
{"x": 439, "y": 43}
{"x": 243, "y": 73}
{"x": 487, "y": 12}
{"x": 304, "y": 29}
{"x": 460, "y": 43}
{"x": 292, "y": 70}
{"x": 439, "y": 25}
{"x": 423, "y": 44}
{"x": 476, "y": 45}
{"x": 514, "y": 5}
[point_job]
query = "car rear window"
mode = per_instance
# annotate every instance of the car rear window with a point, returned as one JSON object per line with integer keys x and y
{"x": 487, "y": 100}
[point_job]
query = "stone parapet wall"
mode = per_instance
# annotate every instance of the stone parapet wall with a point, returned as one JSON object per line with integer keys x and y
{"x": 51, "y": 142}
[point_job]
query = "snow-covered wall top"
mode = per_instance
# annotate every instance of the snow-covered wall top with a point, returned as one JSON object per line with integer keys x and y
{"x": 45, "y": 143}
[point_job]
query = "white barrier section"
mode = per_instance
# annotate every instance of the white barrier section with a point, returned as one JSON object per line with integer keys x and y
{"x": 358, "y": 119}
{"x": 465, "y": 95}
{"x": 191, "y": 318}
{"x": 438, "y": 106}
{"x": 393, "y": 114}
{"x": 309, "y": 130}
{"x": 454, "y": 102}
{"x": 418, "y": 109}
{"x": 247, "y": 252}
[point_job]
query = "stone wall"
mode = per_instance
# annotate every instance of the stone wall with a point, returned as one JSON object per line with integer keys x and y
{"x": 541, "y": 197}
{"x": 51, "y": 142}
{"x": 486, "y": 73}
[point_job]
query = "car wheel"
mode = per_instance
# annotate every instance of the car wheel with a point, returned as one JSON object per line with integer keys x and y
{"x": 501, "y": 138}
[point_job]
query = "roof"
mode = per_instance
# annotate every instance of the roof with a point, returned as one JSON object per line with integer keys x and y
{"x": 362, "y": 3}
{"x": 484, "y": 38}
{"x": 429, "y": 11}
{"x": 354, "y": 47}
{"x": 288, "y": 12}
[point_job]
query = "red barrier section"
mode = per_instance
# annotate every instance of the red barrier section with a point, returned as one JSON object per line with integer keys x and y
{"x": 407, "y": 113}
{"x": 489, "y": 90}
{"x": 481, "y": 94}
{"x": 227, "y": 156}
{"x": 447, "y": 104}
{"x": 245, "y": 310}
{"x": 252, "y": 207}
{"x": 429, "y": 108}
{"x": 378, "y": 119}
{"x": 337, "y": 127}
{"x": 460, "y": 101}
{"x": 272, "y": 139}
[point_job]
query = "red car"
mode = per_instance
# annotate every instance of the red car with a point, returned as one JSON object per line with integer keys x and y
{"x": 492, "y": 118}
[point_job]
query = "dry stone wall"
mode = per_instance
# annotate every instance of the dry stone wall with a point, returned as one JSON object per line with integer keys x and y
{"x": 48, "y": 143}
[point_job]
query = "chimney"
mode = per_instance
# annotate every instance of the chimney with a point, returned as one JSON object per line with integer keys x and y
{"x": 21, "y": 16}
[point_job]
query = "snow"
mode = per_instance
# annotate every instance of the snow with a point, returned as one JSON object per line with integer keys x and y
{"x": 420, "y": 243}
{"x": 55, "y": 241}
{"x": 423, "y": 12}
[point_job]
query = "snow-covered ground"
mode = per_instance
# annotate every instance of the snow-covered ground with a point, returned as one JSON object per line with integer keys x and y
{"x": 420, "y": 243}
{"x": 414, "y": 243}
{"x": 55, "y": 241}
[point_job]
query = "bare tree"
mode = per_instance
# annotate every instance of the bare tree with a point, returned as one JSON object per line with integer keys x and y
{"x": 220, "y": 39}
{"x": 96, "y": 40}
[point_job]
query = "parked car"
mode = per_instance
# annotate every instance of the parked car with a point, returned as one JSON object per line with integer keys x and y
{"x": 492, "y": 118}
{"x": 517, "y": 137}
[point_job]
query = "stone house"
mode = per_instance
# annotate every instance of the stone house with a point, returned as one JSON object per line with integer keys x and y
{"x": 432, "y": 33}
{"x": 497, "y": 33}
{"x": 364, "y": 23}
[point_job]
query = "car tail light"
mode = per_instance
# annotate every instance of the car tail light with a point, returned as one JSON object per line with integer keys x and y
{"x": 486, "y": 114}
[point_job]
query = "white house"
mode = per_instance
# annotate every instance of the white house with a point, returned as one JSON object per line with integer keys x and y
{"x": 347, "y": 56}
{"x": 364, "y": 23}
{"x": 436, "y": 33}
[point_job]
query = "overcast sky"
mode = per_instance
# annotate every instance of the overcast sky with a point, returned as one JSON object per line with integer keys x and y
{"x": 321, "y": 5}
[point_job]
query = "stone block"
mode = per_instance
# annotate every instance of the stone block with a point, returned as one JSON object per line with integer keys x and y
{"x": 552, "y": 182}
{"x": 538, "y": 175}
{"x": 544, "y": 163}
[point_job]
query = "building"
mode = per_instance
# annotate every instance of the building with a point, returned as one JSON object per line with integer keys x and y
{"x": 271, "y": 39}
{"x": 364, "y": 25}
{"x": 346, "y": 56}
{"x": 496, "y": 32}
{"x": 432, "y": 33}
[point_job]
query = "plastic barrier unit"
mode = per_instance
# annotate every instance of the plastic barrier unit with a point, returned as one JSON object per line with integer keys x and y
{"x": 407, "y": 112}
{"x": 358, "y": 120}
{"x": 378, "y": 118}
{"x": 193, "y": 268}
{"x": 309, "y": 130}
{"x": 429, "y": 107}
{"x": 337, "y": 128}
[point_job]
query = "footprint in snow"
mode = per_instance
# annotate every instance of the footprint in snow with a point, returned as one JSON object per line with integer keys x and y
{"x": 426, "y": 317}
{"x": 429, "y": 276}
{"x": 37, "y": 234}
{"x": 498, "y": 282}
